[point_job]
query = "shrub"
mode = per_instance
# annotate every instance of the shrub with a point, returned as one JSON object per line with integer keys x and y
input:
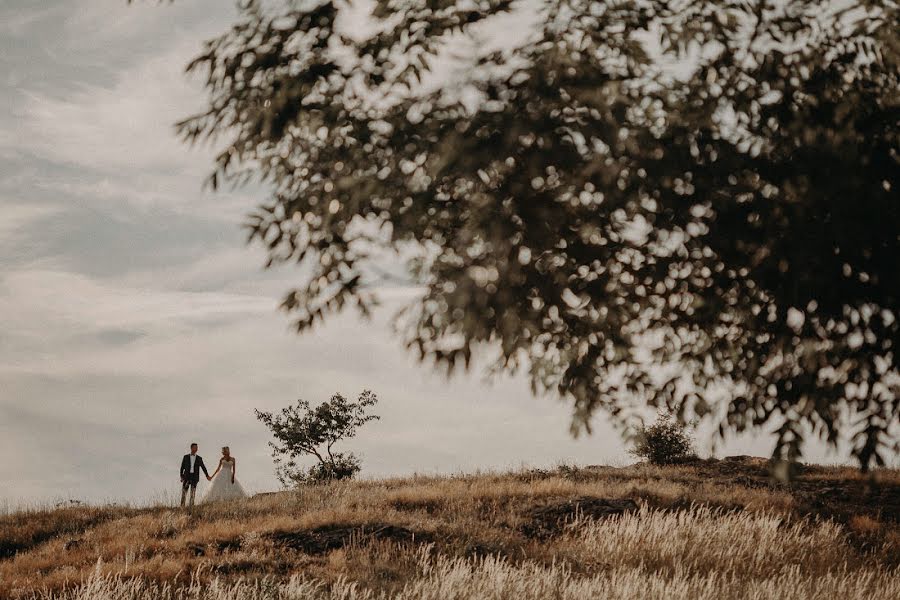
{"x": 665, "y": 442}
{"x": 339, "y": 466}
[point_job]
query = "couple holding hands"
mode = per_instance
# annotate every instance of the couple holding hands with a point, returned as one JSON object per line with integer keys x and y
{"x": 224, "y": 484}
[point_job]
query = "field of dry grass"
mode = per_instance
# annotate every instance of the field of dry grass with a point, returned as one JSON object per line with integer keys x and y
{"x": 709, "y": 529}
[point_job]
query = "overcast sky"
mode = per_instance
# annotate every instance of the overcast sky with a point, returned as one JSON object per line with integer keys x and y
{"x": 135, "y": 320}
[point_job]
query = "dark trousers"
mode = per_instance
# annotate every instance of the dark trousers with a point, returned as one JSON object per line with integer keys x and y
{"x": 185, "y": 484}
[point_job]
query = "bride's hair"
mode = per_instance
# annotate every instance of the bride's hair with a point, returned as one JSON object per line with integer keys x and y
{"x": 224, "y": 448}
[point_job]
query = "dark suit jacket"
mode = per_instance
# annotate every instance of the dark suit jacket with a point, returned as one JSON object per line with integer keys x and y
{"x": 189, "y": 476}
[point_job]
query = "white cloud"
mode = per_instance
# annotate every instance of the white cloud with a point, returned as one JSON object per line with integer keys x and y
{"x": 17, "y": 23}
{"x": 236, "y": 268}
{"x": 7, "y": 144}
{"x": 124, "y": 126}
{"x": 120, "y": 21}
{"x": 58, "y": 298}
{"x": 15, "y": 217}
{"x": 117, "y": 130}
{"x": 135, "y": 192}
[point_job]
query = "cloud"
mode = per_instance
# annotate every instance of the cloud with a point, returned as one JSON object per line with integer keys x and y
{"x": 98, "y": 100}
{"x": 108, "y": 129}
{"x": 7, "y": 143}
{"x": 121, "y": 88}
{"x": 234, "y": 268}
{"x": 98, "y": 25}
{"x": 18, "y": 22}
{"x": 14, "y": 218}
{"x": 59, "y": 298}
{"x": 137, "y": 193}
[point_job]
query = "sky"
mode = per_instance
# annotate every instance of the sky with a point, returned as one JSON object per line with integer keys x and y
{"x": 133, "y": 317}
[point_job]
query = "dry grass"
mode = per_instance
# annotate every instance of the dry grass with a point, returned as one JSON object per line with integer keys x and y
{"x": 706, "y": 530}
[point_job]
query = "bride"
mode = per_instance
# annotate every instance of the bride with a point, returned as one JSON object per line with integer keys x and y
{"x": 224, "y": 484}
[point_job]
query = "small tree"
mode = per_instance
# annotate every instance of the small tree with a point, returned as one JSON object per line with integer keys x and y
{"x": 665, "y": 442}
{"x": 302, "y": 430}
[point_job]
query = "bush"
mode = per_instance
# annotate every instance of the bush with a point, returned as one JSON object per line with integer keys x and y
{"x": 665, "y": 442}
{"x": 340, "y": 466}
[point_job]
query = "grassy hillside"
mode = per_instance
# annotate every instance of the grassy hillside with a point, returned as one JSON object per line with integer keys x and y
{"x": 710, "y": 529}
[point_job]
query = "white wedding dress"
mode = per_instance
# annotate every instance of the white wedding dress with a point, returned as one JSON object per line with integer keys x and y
{"x": 222, "y": 488}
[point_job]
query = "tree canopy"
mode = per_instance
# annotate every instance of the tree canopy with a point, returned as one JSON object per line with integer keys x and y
{"x": 688, "y": 205}
{"x": 302, "y": 430}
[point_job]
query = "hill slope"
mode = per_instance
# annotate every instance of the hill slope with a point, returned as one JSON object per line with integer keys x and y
{"x": 709, "y": 529}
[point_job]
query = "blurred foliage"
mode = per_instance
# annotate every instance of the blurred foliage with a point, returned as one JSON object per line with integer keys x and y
{"x": 682, "y": 204}
{"x": 301, "y": 430}
{"x": 665, "y": 442}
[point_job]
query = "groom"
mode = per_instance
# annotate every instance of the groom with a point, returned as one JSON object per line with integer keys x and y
{"x": 190, "y": 473}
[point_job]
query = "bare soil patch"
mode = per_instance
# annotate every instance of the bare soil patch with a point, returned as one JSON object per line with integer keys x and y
{"x": 331, "y": 537}
{"x": 551, "y": 518}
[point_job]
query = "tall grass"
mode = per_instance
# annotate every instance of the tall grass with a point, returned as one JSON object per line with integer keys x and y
{"x": 704, "y": 531}
{"x": 698, "y": 554}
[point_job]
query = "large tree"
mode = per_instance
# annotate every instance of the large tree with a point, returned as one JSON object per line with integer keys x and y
{"x": 668, "y": 203}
